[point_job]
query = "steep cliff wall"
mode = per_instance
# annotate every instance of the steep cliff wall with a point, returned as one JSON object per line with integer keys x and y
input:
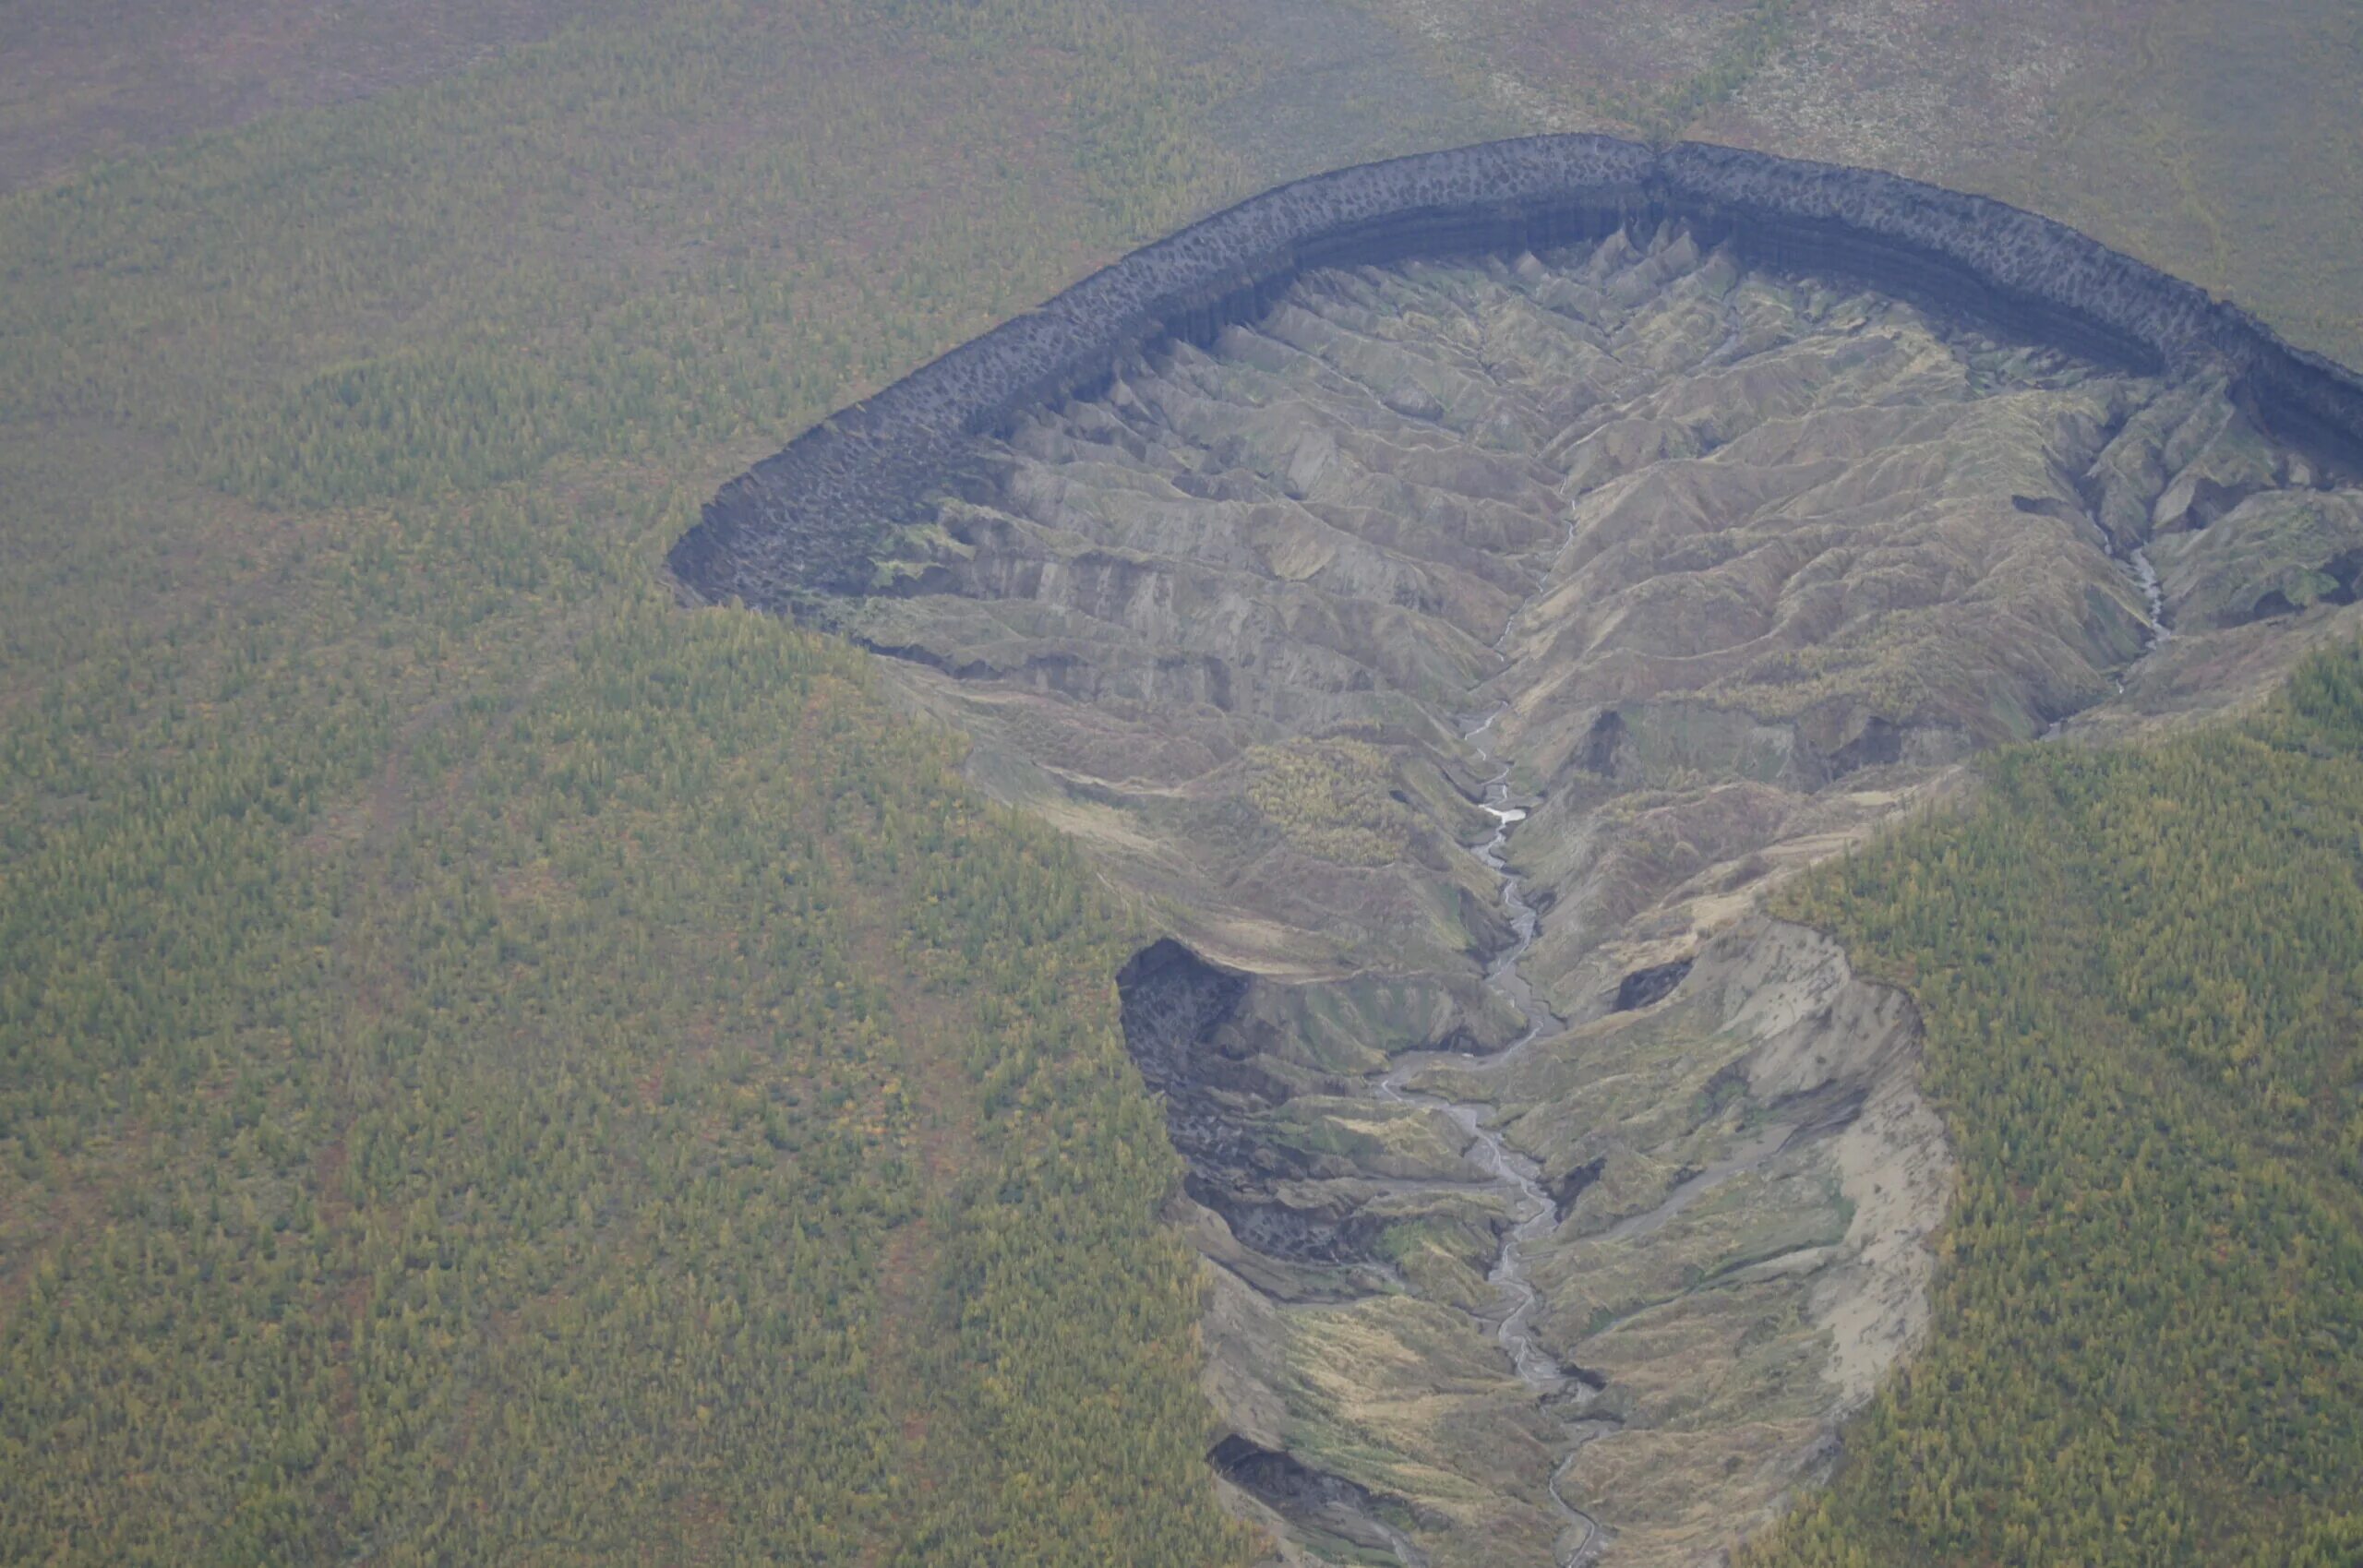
{"x": 807, "y": 519}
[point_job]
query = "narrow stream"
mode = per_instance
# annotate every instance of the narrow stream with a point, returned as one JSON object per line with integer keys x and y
{"x": 1519, "y": 1178}
{"x": 2153, "y": 592}
{"x": 2145, "y": 573}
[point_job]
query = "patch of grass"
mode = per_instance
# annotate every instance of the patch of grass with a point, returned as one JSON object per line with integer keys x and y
{"x": 1332, "y": 798}
{"x": 1663, "y": 111}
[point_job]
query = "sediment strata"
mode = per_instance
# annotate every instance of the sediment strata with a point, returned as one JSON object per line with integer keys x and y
{"x": 809, "y": 519}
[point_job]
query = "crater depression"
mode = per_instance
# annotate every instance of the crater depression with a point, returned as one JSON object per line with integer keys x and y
{"x": 1445, "y": 594}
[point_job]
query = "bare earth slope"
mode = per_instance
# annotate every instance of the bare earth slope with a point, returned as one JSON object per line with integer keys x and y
{"x": 1739, "y": 566}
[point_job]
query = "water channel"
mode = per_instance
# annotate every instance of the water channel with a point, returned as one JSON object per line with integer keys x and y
{"x": 1532, "y": 1209}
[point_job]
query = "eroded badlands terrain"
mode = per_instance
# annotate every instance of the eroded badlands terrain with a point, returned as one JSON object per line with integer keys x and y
{"x": 1448, "y": 662}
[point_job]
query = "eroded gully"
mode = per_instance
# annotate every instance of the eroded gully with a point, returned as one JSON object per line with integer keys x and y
{"x": 1520, "y": 1179}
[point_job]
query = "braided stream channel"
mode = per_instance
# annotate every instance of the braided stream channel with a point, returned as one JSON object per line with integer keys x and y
{"x": 1518, "y": 1177}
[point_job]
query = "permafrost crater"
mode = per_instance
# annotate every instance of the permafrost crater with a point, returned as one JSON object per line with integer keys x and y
{"x": 1447, "y": 593}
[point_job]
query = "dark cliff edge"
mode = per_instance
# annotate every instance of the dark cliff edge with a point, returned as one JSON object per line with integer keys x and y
{"x": 809, "y": 519}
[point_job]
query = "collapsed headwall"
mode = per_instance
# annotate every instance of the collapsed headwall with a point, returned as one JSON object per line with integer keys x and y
{"x": 809, "y": 519}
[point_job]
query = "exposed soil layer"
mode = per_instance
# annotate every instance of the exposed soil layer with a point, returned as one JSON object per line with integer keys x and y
{"x": 1319, "y": 1504}
{"x": 1179, "y": 1015}
{"x": 810, "y": 518}
{"x": 1653, "y": 984}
